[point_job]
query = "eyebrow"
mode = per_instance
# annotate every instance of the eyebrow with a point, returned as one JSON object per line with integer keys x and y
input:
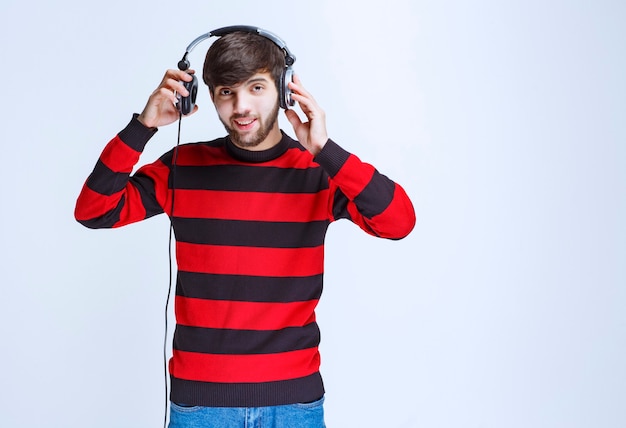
{"x": 256, "y": 79}
{"x": 247, "y": 82}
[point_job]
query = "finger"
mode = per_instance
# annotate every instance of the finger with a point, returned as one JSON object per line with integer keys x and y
{"x": 165, "y": 93}
{"x": 299, "y": 88}
{"x": 296, "y": 86}
{"x": 297, "y": 80}
{"x": 173, "y": 80}
{"x": 179, "y": 74}
{"x": 293, "y": 118}
{"x": 307, "y": 102}
{"x": 177, "y": 86}
{"x": 303, "y": 102}
{"x": 309, "y": 107}
{"x": 186, "y": 75}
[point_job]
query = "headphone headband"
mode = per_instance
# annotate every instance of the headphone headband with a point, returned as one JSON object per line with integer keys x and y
{"x": 289, "y": 57}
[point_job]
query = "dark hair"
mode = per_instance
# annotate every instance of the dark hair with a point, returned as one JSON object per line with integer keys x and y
{"x": 235, "y": 57}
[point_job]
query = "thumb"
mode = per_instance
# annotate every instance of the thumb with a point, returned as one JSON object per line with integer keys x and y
{"x": 195, "y": 109}
{"x": 293, "y": 118}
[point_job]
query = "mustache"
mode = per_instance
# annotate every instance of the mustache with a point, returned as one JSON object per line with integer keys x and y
{"x": 242, "y": 115}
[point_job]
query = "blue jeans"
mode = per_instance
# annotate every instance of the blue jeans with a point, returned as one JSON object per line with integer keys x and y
{"x": 301, "y": 415}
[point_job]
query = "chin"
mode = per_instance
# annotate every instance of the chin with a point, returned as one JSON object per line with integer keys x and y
{"x": 246, "y": 141}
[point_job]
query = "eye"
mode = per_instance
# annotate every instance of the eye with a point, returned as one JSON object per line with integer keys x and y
{"x": 225, "y": 92}
{"x": 257, "y": 88}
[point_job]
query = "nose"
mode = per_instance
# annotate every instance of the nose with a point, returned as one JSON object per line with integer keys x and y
{"x": 241, "y": 103}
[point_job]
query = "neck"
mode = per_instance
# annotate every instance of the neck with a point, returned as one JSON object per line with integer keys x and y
{"x": 272, "y": 152}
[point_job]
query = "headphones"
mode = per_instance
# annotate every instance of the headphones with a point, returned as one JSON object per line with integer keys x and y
{"x": 186, "y": 104}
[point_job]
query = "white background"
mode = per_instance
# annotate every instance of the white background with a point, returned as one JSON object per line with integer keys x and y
{"x": 505, "y": 121}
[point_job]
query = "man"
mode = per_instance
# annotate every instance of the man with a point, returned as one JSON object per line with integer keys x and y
{"x": 250, "y": 212}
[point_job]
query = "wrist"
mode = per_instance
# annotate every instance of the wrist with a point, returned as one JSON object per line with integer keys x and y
{"x": 332, "y": 157}
{"x": 145, "y": 122}
{"x": 317, "y": 147}
{"x": 136, "y": 134}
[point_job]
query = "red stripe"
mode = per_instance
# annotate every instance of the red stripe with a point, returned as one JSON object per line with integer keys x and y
{"x": 159, "y": 172}
{"x": 244, "y": 368}
{"x": 227, "y": 314}
{"x": 204, "y": 155}
{"x": 119, "y": 156}
{"x": 254, "y": 206}
{"x": 354, "y": 176}
{"x": 92, "y": 204}
{"x": 398, "y": 219}
{"x": 230, "y": 260}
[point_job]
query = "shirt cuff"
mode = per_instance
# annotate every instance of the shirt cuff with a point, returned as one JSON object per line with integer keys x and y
{"x": 136, "y": 135}
{"x": 332, "y": 157}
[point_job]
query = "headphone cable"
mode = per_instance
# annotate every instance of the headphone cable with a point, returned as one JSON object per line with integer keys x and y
{"x": 171, "y": 269}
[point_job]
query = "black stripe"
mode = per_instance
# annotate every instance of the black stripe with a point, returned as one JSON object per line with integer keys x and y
{"x": 376, "y": 196}
{"x": 145, "y": 187}
{"x": 245, "y": 342}
{"x": 135, "y": 135}
{"x": 245, "y": 178}
{"x": 333, "y": 157}
{"x": 196, "y": 393}
{"x": 250, "y": 233}
{"x": 340, "y": 206}
{"x": 249, "y": 288}
{"x": 105, "y": 181}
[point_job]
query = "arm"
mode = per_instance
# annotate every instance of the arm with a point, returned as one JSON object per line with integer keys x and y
{"x": 360, "y": 193}
{"x": 366, "y": 197}
{"x": 111, "y": 197}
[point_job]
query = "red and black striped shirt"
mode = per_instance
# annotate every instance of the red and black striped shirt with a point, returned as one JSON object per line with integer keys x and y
{"x": 250, "y": 230}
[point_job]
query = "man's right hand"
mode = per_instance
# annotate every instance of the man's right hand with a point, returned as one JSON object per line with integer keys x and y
{"x": 161, "y": 108}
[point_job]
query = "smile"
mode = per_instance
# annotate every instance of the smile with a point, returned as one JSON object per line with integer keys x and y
{"x": 245, "y": 122}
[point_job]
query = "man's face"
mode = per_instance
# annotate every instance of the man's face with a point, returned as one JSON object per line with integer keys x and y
{"x": 249, "y": 112}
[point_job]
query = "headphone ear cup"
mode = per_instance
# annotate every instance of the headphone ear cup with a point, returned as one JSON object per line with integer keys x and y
{"x": 187, "y": 104}
{"x": 286, "y": 100}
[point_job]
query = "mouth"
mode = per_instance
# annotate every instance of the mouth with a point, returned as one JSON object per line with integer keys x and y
{"x": 244, "y": 124}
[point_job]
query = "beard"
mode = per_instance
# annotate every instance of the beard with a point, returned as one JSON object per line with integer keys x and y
{"x": 247, "y": 140}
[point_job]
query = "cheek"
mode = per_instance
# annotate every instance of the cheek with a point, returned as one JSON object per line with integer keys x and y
{"x": 223, "y": 111}
{"x": 269, "y": 102}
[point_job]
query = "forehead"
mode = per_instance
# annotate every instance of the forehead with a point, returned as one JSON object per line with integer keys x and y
{"x": 262, "y": 77}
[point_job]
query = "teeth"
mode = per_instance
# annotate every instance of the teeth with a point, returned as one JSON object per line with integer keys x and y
{"x": 245, "y": 123}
